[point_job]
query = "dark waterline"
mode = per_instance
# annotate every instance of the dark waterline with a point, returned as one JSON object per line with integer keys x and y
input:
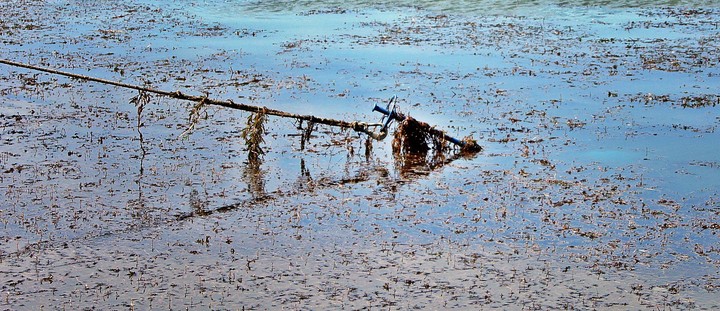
{"x": 479, "y": 7}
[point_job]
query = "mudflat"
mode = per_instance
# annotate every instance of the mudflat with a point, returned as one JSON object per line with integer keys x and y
{"x": 597, "y": 186}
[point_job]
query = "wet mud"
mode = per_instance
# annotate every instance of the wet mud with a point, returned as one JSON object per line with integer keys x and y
{"x": 597, "y": 186}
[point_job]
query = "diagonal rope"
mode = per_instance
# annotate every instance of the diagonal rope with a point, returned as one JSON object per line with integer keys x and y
{"x": 358, "y": 126}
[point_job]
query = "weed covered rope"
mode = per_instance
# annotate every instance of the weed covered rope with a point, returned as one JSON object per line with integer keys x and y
{"x": 466, "y": 145}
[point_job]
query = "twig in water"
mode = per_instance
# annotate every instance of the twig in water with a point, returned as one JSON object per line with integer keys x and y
{"x": 195, "y": 113}
{"x": 140, "y": 100}
{"x": 306, "y": 134}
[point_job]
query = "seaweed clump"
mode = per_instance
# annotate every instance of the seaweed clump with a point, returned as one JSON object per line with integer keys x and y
{"x": 413, "y": 140}
{"x": 253, "y": 135}
{"x": 416, "y": 137}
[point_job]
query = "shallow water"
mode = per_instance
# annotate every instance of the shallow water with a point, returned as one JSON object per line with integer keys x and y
{"x": 597, "y": 186}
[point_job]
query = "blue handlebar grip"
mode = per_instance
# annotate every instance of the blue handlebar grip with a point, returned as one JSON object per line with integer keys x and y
{"x": 381, "y": 109}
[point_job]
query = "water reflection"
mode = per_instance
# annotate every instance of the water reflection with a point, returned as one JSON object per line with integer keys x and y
{"x": 410, "y": 165}
{"x": 304, "y": 180}
{"x": 254, "y": 177}
{"x": 139, "y": 204}
{"x": 198, "y": 205}
{"x": 306, "y": 132}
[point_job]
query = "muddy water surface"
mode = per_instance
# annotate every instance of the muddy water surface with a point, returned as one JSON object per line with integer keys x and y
{"x": 597, "y": 187}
